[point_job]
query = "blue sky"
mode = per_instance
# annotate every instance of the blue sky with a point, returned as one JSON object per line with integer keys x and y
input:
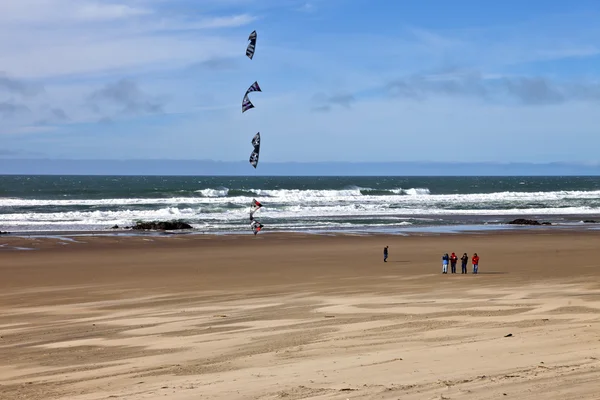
{"x": 342, "y": 80}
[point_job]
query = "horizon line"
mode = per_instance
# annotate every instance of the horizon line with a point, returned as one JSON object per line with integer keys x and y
{"x": 559, "y": 162}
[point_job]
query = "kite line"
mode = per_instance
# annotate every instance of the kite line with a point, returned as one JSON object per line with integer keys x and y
{"x": 255, "y": 225}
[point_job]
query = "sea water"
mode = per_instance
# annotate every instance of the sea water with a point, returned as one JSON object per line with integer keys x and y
{"x": 311, "y": 204}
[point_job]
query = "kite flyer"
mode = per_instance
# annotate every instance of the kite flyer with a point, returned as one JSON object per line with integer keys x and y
{"x": 464, "y": 260}
{"x": 385, "y": 254}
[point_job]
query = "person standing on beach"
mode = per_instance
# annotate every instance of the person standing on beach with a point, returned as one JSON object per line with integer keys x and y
{"x": 445, "y": 260}
{"x": 475, "y": 260}
{"x": 385, "y": 253}
{"x": 464, "y": 259}
{"x": 453, "y": 260}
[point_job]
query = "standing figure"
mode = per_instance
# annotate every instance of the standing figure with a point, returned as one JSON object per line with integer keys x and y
{"x": 453, "y": 260}
{"x": 465, "y": 260}
{"x": 445, "y": 260}
{"x": 385, "y": 253}
{"x": 475, "y": 260}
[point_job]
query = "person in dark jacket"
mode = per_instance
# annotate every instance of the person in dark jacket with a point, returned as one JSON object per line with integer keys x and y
{"x": 385, "y": 254}
{"x": 453, "y": 260}
{"x": 464, "y": 260}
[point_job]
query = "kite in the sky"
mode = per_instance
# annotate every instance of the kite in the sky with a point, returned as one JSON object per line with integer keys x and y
{"x": 251, "y": 45}
{"x": 256, "y": 151}
{"x": 246, "y": 103}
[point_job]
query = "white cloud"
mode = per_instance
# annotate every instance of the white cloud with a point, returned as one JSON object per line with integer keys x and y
{"x": 98, "y": 11}
{"x": 42, "y": 39}
{"x": 44, "y": 12}
{"x": 77, "y": 55}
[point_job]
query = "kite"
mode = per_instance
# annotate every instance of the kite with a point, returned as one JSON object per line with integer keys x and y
{"x": 255, "y": 153}
{"x": 246, "y": 103}
{"x": 254, "y": 207}
{"x": 251, "y": 45}
{"x": 256, "y": 226}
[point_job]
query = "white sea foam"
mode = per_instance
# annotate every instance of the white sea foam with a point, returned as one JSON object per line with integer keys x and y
{"x": 214, "y": 209}
{"x": 296, "y": 196}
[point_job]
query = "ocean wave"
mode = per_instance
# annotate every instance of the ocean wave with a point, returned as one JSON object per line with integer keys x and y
{"x": 398, "y": 197}
{"x": 340, "y": 213}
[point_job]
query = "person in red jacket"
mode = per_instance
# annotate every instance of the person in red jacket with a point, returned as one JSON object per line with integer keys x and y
{"x": 475, "y": 261}
{"x": 453, "y": 260}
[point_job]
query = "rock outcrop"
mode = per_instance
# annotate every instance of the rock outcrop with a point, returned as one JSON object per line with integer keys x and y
{"x": 523, "y": 221}
{"x": 161, "y": 226}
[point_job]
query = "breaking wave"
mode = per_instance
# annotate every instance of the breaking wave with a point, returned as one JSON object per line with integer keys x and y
{"x": 225, "y": 207}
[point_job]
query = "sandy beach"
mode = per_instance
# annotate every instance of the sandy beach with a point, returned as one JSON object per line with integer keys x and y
{"x": 290, "y": 316}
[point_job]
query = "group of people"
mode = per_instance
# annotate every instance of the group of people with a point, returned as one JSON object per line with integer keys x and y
{"x": 453, "y": 259}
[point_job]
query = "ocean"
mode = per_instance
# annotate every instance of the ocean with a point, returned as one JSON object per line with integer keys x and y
{"x": 310, "y": 204}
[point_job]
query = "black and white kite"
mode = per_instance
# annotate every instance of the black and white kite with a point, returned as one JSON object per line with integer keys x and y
{"x": 256, "y": 226}
{"x": 254, "y": 207}
{"x": 246, "y": 103}
{"x": 251, "y": 45}
{"x": 254, "y": 223}
{"x": 256, "y": 152}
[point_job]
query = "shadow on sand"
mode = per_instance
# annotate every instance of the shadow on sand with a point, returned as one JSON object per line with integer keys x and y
{"x": 492, "y": 273}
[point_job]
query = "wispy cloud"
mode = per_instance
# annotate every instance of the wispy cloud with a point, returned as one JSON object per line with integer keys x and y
{"x": 324, "y": 103}
{"x": 9, "y": 109}
{"x": 78, "y": 37}
{"x": 126, "y": 96}
{"x": 60, "y": 11}
{"x": 215, "y": 64}
{"x": 531, "y": 90}
{"x": 16, "y": 86}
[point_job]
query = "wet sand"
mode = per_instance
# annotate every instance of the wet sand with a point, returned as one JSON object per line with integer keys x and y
{"x": 300, "y": 317}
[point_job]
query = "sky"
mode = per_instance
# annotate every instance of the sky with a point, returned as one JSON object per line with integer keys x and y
{"x": 342, "y": 80}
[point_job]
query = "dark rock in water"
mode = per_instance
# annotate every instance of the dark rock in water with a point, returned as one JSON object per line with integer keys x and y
{"x": 590, "y": 221}
{"x": 523, "y": 221}
{"x": 115, "y": 227}
{"x": 3, "y": 233}
{"x": 161, "y": 226}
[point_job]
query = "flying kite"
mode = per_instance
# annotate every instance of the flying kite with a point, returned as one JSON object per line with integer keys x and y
{"x": 255, "y": 225}
{"x": 254, "y": 207}
{"x": 255, "y": 153}
{"x": 251, "y": 45}
{"x": 246, "y": 103}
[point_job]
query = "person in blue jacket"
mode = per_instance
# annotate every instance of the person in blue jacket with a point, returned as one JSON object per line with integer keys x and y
{"x": 445, "y": 260}
{"x": 385, "y": 253}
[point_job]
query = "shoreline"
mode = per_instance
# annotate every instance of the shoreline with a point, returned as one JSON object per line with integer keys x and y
{"x": 403, "y": 230}
{"x": 37, "y": 241}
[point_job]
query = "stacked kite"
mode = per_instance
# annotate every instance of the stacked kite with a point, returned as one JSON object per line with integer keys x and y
{"x": 246, "y": 105}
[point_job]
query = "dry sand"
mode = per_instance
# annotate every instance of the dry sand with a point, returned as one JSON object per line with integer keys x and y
{"x": 285, "y": 316}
